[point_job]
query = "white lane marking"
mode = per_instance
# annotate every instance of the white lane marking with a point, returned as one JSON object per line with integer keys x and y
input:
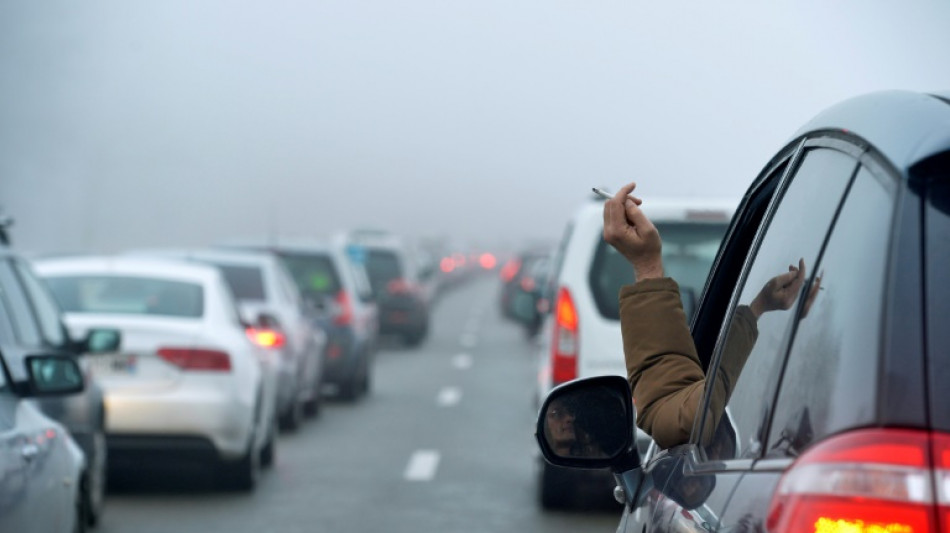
{"x": 422, "y": 465}
{"x": 468, "y": 340}
{"x": 462, "y": 361}
{"x": 449, "y": 396}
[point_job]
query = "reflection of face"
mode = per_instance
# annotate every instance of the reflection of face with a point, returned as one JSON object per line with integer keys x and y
{"x": 560, "y": 428}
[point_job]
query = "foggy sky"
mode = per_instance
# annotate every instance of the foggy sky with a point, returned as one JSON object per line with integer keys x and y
{"x": 181, "y": 123}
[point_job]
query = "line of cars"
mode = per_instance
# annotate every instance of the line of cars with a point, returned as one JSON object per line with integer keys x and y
{"x": 836, "y": 419}
{"x": 186, "y": 355}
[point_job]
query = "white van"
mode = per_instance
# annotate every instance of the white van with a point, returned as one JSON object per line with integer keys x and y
{"x": 581, "y": 336}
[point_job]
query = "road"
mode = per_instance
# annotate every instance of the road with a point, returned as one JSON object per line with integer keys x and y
{"x": 443, "y": 443}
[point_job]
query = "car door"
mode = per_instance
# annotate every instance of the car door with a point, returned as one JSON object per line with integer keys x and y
{"x": 748, "y": 354}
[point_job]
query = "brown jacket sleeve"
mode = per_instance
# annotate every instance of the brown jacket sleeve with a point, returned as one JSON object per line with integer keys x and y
{"x": 663, "y": 368}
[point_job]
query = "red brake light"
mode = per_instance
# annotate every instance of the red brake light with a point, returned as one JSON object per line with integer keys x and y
{"x": 875, "y": 480}
{"x": 268, "y": 338}
{"x": 447, "y": 264}
{"x": 345, "y": 315}
{"x": 510, "y": 270}
{"x": 196, "y": 358}
{"x": 527, "y": 284}
{"x": 487, "y": 261}
{"x": 564, "y": 344}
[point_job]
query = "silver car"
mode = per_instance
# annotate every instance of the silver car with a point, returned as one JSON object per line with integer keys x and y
{"x": 186, "y": 379}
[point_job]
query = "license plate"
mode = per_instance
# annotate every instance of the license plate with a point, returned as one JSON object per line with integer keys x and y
{"x": 115, "y": 364}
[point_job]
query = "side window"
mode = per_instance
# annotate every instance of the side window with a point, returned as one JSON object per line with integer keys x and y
{"x": 751, "y": 353}
{"x": 47, "y": 312}
{"x": 829, "y": 381}
{"x": 21, "y": 316}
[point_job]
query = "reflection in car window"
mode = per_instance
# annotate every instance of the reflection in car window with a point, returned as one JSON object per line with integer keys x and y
{"x": 829, "y": 380}
{"x": 47, "y": 312}
{"x": 794, "y": 234}
{"x": 312, "y": 272}
{"x": 689, "y": 250}
{"x": 20, "y": 313}
{"x": 127, "y": 295}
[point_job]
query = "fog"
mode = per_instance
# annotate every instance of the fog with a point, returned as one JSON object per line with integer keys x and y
{"x": 183, "y": 123}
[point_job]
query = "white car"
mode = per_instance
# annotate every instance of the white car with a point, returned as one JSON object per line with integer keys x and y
{"x": 186, "y": 378}
{"x": 285, "y": 325}
{"x": 581, "y": 335}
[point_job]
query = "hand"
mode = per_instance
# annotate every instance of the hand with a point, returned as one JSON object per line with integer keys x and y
{"x": 780, "y": 292}
{"x": 628, "y": 230}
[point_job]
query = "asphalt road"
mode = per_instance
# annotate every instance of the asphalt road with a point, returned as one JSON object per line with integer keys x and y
{"x": 443, "y": 443}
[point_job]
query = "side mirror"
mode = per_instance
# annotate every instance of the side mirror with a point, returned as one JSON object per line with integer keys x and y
{"x": 588, "y": 423}
{"x": 101, "y": 341}
{"x": 53, "y": 375}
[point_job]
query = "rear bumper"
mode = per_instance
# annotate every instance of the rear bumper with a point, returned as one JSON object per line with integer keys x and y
{"x": 163, "y": 419}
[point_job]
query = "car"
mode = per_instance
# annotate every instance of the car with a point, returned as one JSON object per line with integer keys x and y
{"x": 581, "y": 336}
{"x": 36, "y": 319}
{"x": 394, "y": 279}
{"x": 839, "y": 419}
{"x": 331, "y": 274}
{"x": 523, "y": 281}
{"x": 286, "y": 326}
{"x": 187, "y": 381}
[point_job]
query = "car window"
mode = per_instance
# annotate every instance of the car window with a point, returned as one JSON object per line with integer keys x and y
{"x": 132, "y": 295}
{"x": 688, "y": 253}
{"x": 246, "y": 282}
{"x": 937, "y": 232}
{"x": 313, "y": 273}
{"x": 44, "y": 306}
{"x": 21, "y": 316}
{"x": 751, "y": 352}
{"x": 829, "y": 383}
{"x": 382, "y": 266}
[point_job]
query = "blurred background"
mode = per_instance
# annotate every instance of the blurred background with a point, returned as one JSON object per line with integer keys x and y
{"x": 185, "y": 122}
{"x": 468, "y": 132}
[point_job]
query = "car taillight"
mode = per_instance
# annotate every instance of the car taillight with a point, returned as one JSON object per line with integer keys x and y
{"x": 266, "y": 337}
{"x": 344, "y": 316}
{"x": 527, "y": 284}
{"x": 564, "y": 344}
{"x": 875, "y": 480}
{"x": 510, "y": 270}
{"x": 196, "y": 358}
{"x": 400, "y": 286}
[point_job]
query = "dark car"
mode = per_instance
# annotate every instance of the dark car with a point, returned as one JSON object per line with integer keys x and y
{"x": 840, "y": 419}
{"x": 332, "y": 276}
{"x": 394, "y": 278}
{"x": 518, "y": 284}
{"x": 31, "y": 325}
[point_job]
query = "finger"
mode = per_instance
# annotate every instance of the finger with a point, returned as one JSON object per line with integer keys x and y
{"x": 786, "y": 279}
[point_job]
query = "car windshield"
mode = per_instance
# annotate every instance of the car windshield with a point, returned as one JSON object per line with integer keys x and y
{"x": 312, "y": 273}
{"x": 688, "y": 252}
{"x": 246, "y": 282}
{"x": 382, "y": 266}
{"x": 127, "y": 295}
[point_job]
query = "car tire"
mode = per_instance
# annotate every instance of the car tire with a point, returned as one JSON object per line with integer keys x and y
{"x": 291, "y": 419}
{"x": 312, "y": 407}
{"x": 269, "y": 451}
{"x": 358, "y": 383}
{"x": 553, "y": 492}
{"x": 416, "y": 337}
{"x": 80, "y": 519}
{"x": 241, "y": 475}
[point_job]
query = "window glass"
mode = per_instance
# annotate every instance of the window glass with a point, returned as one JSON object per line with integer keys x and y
{"x": 21, "y": 316}
{"x": 382, "y": 266}
{"x": 689, "y": 250}
{"x": 127, "y": 295}
{"x": 312, "y": 273}
{"x": 47, "y": 312}
{"x": 246, "y": 282}
{"x": 829, "y": 381}
{"x": 752, "y": 351}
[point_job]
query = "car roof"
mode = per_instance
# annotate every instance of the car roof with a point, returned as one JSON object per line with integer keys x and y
{"x": 905, "y": 126}
{"x": 214, "y": 255}
{"x": 672, "y": 209}
{"x": 167, "y": 268}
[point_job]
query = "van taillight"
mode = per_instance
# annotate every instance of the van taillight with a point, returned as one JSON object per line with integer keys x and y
{"x": 196, "y": 358}
{"x": 875, "y": 480}
{"x": 510, "y": 270}
{"x": 564, "y": 343}
{"x": 344, "y": 316}
{"x": 266, "y": 337}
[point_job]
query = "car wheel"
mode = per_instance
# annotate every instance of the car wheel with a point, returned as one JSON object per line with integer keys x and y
{"x": 80, "y": 519}
{"x": 241, "y": 475}
{"x": 553, "y": 492}
{"x": 268, "y": 452}
{"x": 416, "y": 337}
{"x": 311, "y": 407}
{"x": 358, "y": 383}
{"x": 291, "y": 418}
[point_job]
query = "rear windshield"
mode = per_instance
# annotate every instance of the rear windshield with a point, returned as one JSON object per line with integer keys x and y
{"x": 382, "y": 267}
{"x": 246, "y": 282}
{"x": 688, "y": 252}
{"x": 313, "y": 273}
{"x": 127, "y": 295}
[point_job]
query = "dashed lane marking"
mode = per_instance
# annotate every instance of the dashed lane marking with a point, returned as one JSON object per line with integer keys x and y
{"x": 449, "y": 396}
{"x": 422, "y": 465}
